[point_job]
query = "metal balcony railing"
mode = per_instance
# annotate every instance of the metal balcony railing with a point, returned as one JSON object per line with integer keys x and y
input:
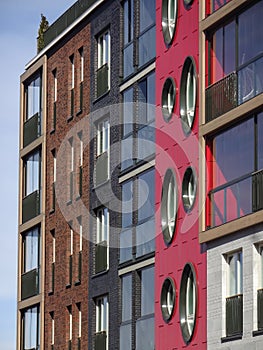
{"x": 102, "y": 80}
{"x": 234, "y": 315}
{"x": 31, "y": 206}
{"x": 260, "y": 308}
{"x": 30, "y": 284}
{"x": 236, "y": 198}
{"x": 102, "y": 168}
{"x": 64, "y": 21}
{"x": 221, "y": 97}
{"x": 32, "y": 129}
{"x": 101, "y": 256}
{"x": 101, "y": 341}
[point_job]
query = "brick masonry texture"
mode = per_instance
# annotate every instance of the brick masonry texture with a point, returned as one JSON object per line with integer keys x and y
{"x": 62, "y": 296}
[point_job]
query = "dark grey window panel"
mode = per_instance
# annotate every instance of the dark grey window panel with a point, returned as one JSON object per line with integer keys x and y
{"x": 102, "y": 80}
{"x": 100, "y": 341}
{"x": 101, "y": 257}
{"x": 29, "y": 284}
{"x": 102, "y": 168}
{"x": 31, "y": 129}
{"x": 31, "y": 206}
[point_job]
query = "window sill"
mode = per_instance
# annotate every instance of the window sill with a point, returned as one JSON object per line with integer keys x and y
{"x": 77, "y": 283}
{"x": 52, "y": 131}
{"x": 98, "y": 274}
{"x": 68, "y": 285}
{"x": 231, "y": 338}
{"x": 101, "y": 184}
{"x": 98, "y": 98}
{"x": 52, "y": 211}
{"x": 50, "y": 293}
{"x": 79, "y": 112}
{"x": 69, "y": 202}
{"x": 69, "y": 118}
{"x": 257, "y": 333}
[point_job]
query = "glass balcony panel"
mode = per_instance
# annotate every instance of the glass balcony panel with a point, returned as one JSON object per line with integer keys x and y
{"x": 145, "y": 238}
{"x": 128, "y": 60}
{"x": 31, "y": 206}
{"x": 125, "y": 337}
{"x": 234, "y": 315}
{"x": 126, "y": 245}
{"x": 147, "y": 46}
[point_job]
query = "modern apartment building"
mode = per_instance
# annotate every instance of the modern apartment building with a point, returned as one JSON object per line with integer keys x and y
{"x": 140, "y": 209}
{"x": 230, "y": 135}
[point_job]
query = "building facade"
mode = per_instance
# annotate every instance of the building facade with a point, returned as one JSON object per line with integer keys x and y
{"x": 140, "y": 209}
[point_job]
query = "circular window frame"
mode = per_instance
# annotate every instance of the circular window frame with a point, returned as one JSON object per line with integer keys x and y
{"x": 167, "y": 313}
{"x": 169, "y": 88}
{"x": 187, "y": 203}
{"x": 189, "y": 64}
{"x": 187, "y": 333}
{"x": 168, "y": 233}
{"x": 188, "y": 3}
{"x": 168, "y": 34}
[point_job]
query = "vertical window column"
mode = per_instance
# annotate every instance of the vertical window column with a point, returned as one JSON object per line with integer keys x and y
{"x": 55, "y": 96}
{"x": 72, "y": 86}
{"x": 103, "y": 71}
{"x": 81, "y": 79}
{"x": 101, "y": 336}
{"x": 102, "y": 241}
{"x": 103, "y": 151}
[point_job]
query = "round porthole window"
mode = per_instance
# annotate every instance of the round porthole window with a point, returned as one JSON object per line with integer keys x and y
{"x": 188, "y": 3}
{"x": 189, "y": 187}
{"x": 169, "y": 14}
{"x": 188, "y": 302}
{"x": 168, "y": 296}
{"x": 168, "y": 98}
{"x": 169, "y": 205}
{"x": 188, "y": 94}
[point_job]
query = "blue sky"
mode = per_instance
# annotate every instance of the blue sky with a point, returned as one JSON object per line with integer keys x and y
{"x": 19, "y": 22}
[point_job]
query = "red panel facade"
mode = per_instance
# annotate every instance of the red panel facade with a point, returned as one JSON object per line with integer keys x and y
{"x": 178, "y": 151}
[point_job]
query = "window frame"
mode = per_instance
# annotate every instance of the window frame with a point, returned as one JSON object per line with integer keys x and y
{"x": 169, "y": 22}
{"x": 24, "y": 325}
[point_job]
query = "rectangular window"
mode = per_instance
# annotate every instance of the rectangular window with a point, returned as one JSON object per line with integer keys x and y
{"x": 53, "y": 185}
{"x": 102, "y": 240}
{"x": 103, "y": 72}
{"x": 33, "y": 91}
{"x": 69, "y": 326}
{"x": 81, "y": 79}
{"x": 53, "y": 260}
{"x": 260, "y": 290}
{"x": 101, "y": 336}
{"x": 126, "y": 324}
{"x": 72, "y": 78}
{"x": 55, "y": 96}
{"x": 31, "y": 328}
{"x": 138, "y": 139}
{"x": 236, "y": 171}
{"x": 52, "y": 340}
{"x": 71, "y": 169}
{"x": 80, "y": 179}
{"x": 138, "y": 193}
{"x": 79, "y": 320}
{"x": 31, "y": 263}
{"x": 234, "y": 300}
{"x": 128, "y": 27}
{"x": 137, "y": 290}
{"x": 31, "y": 246}
{"x": 32, "y": 167}
{"x": 103, "y": 154}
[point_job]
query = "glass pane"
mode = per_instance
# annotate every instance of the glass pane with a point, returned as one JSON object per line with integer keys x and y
{"x": 31, "y": 246}
{"x": 127, "y": 152}
{"x": 127, "y": 199}
{"x": 146, "y": 141}
{"x": 128, "y": 20}
{"x": 217, "y": 56}
{"x": 128, "y": 60}
{"x": 146, "y": 194}
{"x": 127, "y": 112}
{"x": 126, "y": 298}
{"x": 32, "y": 173}
{"x": 250, "y": 28}
{"x": 33, "y": 98}
{"x": 145, "y": 334}
{"x": 125, "y": 337}
{"x": 31, "y": 329}
{"x": 234, "y": 153}
{"x": 125, "y": 246}
{"x": 230, "y": 49}
{"x": 147, "y": 14}
{"x": 145, "y": 238}
{"x": 147, "y": 46}
{"x": 147, "y": 291}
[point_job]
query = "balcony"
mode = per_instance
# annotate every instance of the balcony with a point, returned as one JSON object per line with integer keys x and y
{"x": 260, "y": 309}
{"x": 234, "y": 315}
{"x": 30, "y": 284}
{"x": 101, "y": 257}
{"x": 234, "y": 89}
{"x": 236, "y": 198}
{"x": 221, "y": 97}
{"x": 31, "y": 206}
{"x": 32, "y": 129}
{"x": 102, "y": 168}
{"x": 102, "y": 80}
{"x": 101, "y": 341}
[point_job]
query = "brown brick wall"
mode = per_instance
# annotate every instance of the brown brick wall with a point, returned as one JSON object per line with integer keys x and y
{"x": 65, "y": 295}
